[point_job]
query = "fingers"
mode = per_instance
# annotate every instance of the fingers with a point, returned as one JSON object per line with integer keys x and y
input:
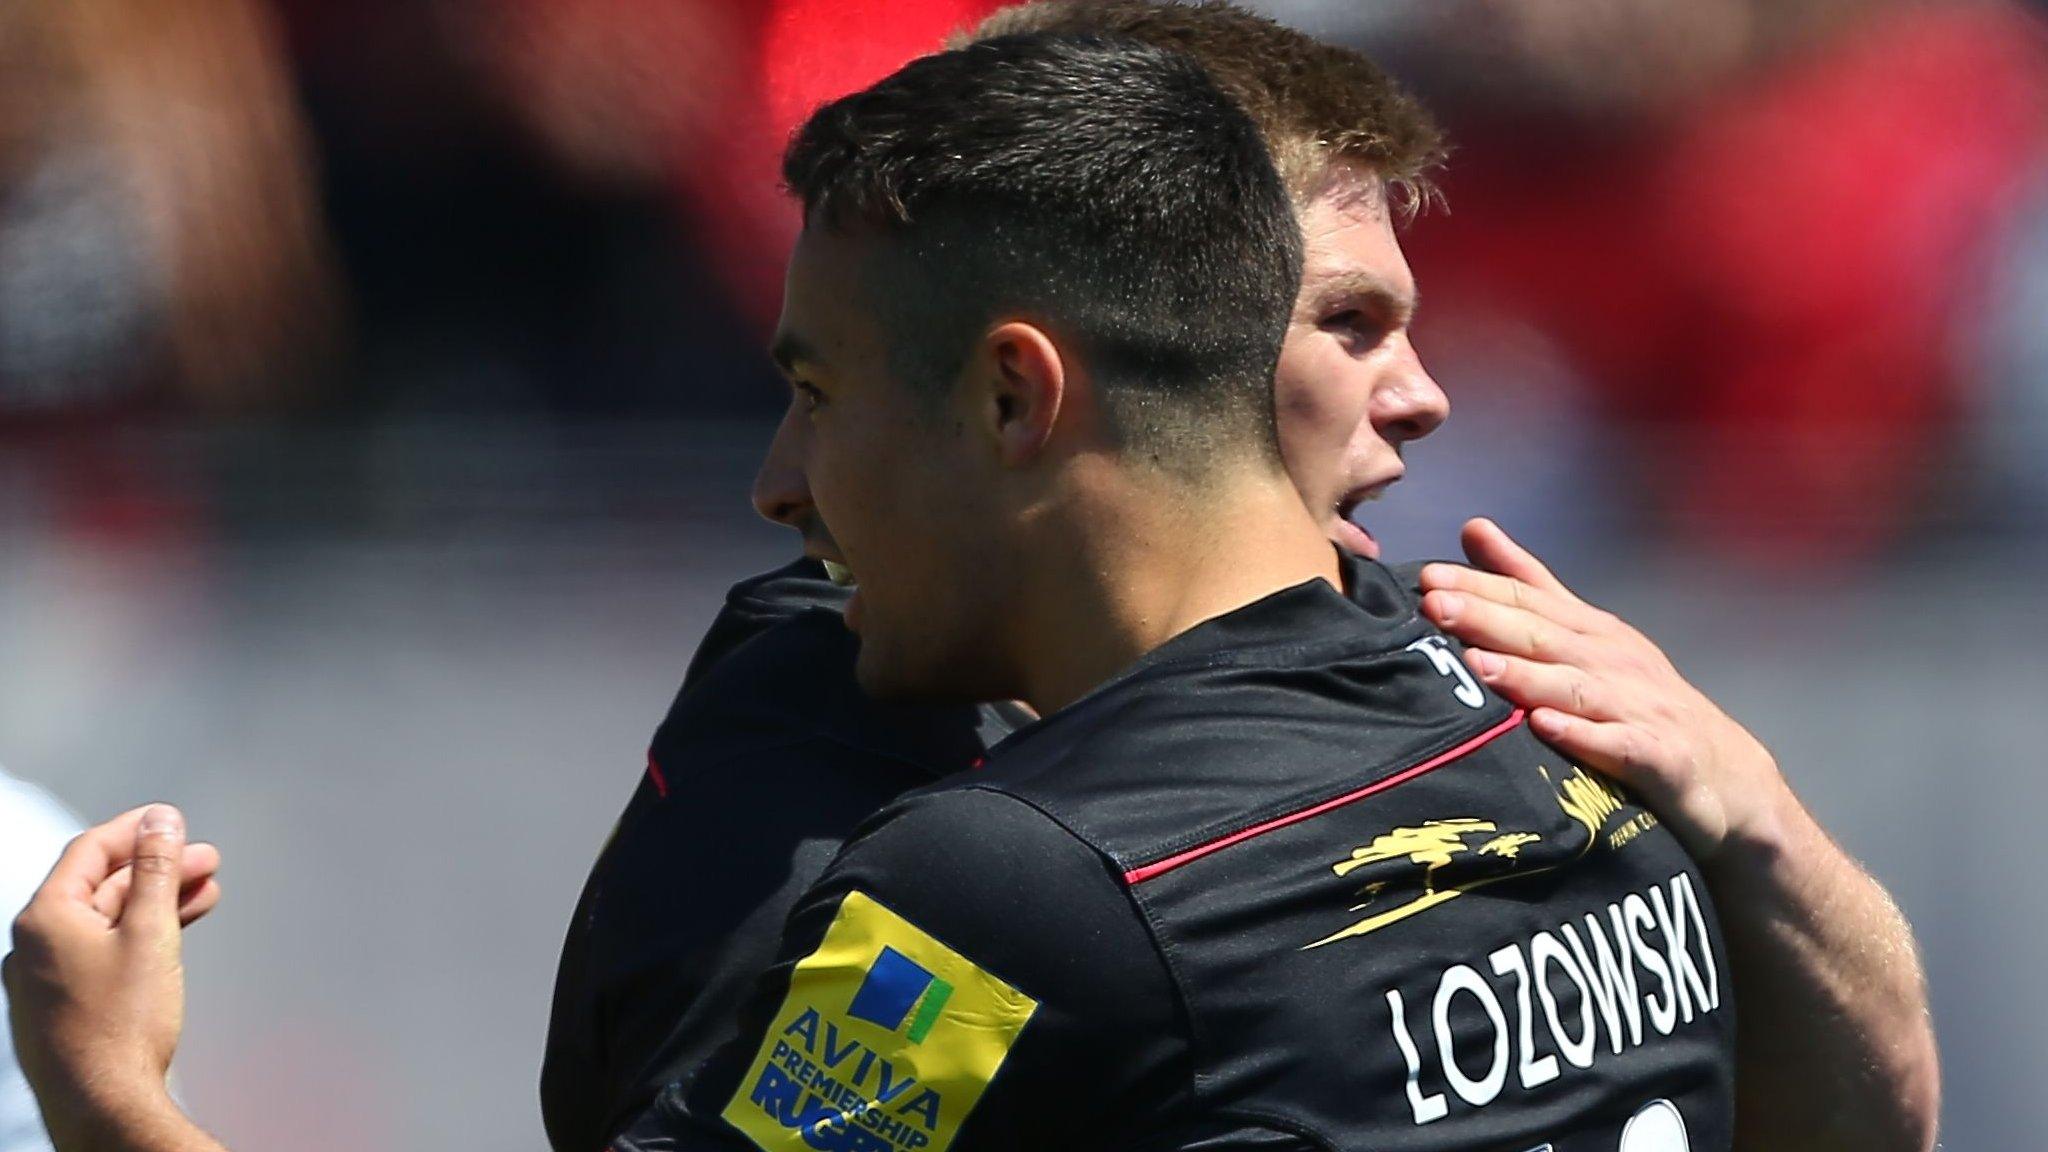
{"x": 1510, "y": 577}
{"x": 1608, "y": 748}
{"x": 1490, "y": 547}
{"x": 1562, "y": 607}
{"x": 112, "y": 894}
{"x": 198, "y": 903}
{"x": 158, "y": 870}
{"x": 1502, "y": 628}
{"x": 201, "y": 862}
{"x": 1640, "y": 762}
{"x": 92, "y": 856}
{"x": 1533, "y": 684}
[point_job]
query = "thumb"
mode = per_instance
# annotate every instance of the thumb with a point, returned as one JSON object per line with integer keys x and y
{"x": 159, "y": 855}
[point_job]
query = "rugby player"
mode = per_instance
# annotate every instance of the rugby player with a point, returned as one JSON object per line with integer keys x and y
{"x": 791, "y": 761}
{"x": 1589, "y": 662}
{"x": 1145, "y": 920}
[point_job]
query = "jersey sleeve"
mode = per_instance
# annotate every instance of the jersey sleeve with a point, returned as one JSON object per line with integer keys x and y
{"x": 682, "y": 911}
{"x": 966, "y": 975}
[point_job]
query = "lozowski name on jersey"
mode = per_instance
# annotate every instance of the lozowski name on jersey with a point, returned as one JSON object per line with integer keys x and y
{"x": 1557, "y": 1001}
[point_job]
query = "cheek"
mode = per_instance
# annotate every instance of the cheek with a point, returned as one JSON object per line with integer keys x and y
{"x": 952, "y": 537}
{"x": 851, "y": 485}
{"x": 1318, "y": 412}
{"x": 831, "y": 487}
{"x": 906, "y": 497}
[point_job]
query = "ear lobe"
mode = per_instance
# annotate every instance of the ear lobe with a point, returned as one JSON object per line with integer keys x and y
{"x": 1029, "y": 387}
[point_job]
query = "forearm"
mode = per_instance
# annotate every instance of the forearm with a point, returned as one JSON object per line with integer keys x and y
{"x": 1836, "y": 1049}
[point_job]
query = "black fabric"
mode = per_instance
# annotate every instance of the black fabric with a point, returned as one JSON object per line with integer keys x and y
{"x": 1224, "y": 872}
{"x": 967, "y": 866}
{"x": 767, "y": 761}
{"x": 757, "y": 604}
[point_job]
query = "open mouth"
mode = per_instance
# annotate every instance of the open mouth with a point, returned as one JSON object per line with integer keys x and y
{"x": 843, "y": 576}
{"x": 1347, "y": 532}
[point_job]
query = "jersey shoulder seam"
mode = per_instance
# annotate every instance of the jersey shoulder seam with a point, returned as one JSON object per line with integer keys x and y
{"x": 1160, "y": 949}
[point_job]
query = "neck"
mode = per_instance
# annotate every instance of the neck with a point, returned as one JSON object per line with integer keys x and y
{"x": 1145, "y": 558}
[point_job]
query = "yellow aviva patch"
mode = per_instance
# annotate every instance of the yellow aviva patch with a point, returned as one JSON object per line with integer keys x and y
{"x": 884, "y": 1044}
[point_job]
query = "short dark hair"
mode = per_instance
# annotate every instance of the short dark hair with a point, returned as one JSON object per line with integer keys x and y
{"x": 1101, "y": 186}
{"x": 1314, "y": 102}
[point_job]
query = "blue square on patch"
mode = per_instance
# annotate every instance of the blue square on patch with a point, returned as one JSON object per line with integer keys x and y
{"x": 893, "y": 984}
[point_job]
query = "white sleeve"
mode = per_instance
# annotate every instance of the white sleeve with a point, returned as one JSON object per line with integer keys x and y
{"x": 33, "y": 831}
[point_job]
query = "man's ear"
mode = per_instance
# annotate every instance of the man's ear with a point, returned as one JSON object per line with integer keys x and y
{"x": 1027, "y": 384}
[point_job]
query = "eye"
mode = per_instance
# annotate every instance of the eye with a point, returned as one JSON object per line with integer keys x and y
{"x": 1360, "y": 330}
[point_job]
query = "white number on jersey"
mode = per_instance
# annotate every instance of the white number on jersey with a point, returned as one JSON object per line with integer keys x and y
{"x": 1447, "y": 663}
{"x": 1656, "y": 1127}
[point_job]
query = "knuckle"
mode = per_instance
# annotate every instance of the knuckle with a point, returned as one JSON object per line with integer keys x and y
{"x": 155, "y": 864}
{"x": 1680, "y": 771}
{"x": 29, "y": 933}
{"x": 1633, "y": 752}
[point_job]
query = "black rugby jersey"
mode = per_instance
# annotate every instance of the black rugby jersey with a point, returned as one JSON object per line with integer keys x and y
{"x": 1293, "y": 880}
{"x": 767, "y": 760}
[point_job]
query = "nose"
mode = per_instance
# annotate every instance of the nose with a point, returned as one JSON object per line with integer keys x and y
{"x": 782, "y": 490}
{"x": 1409, "y": 404}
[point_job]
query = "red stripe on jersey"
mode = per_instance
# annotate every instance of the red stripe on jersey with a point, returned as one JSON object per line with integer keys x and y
{"x": 654, "y": 774}
{"x": 1158, "y": 867}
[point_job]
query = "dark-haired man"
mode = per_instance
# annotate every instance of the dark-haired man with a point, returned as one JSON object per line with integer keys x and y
{"x": 1404, "y": 404}
{"x": 1145, "y": 920}
{"x": 1842, "y": 1053}
{"x": 1198, "y": 904}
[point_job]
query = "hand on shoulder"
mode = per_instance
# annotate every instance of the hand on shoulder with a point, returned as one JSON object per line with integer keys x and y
{"x": 1606, "y": 695}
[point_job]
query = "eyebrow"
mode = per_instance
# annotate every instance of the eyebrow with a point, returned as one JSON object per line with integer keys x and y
{"x": 790, "y": 350}
{"x": 1360, "y": 284}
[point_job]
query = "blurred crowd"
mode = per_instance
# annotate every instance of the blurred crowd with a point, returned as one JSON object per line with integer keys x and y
{"x": 1766, "y": 276}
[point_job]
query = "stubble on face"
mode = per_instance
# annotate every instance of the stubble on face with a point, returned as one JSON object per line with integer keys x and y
{"x": 895, "y": 483}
